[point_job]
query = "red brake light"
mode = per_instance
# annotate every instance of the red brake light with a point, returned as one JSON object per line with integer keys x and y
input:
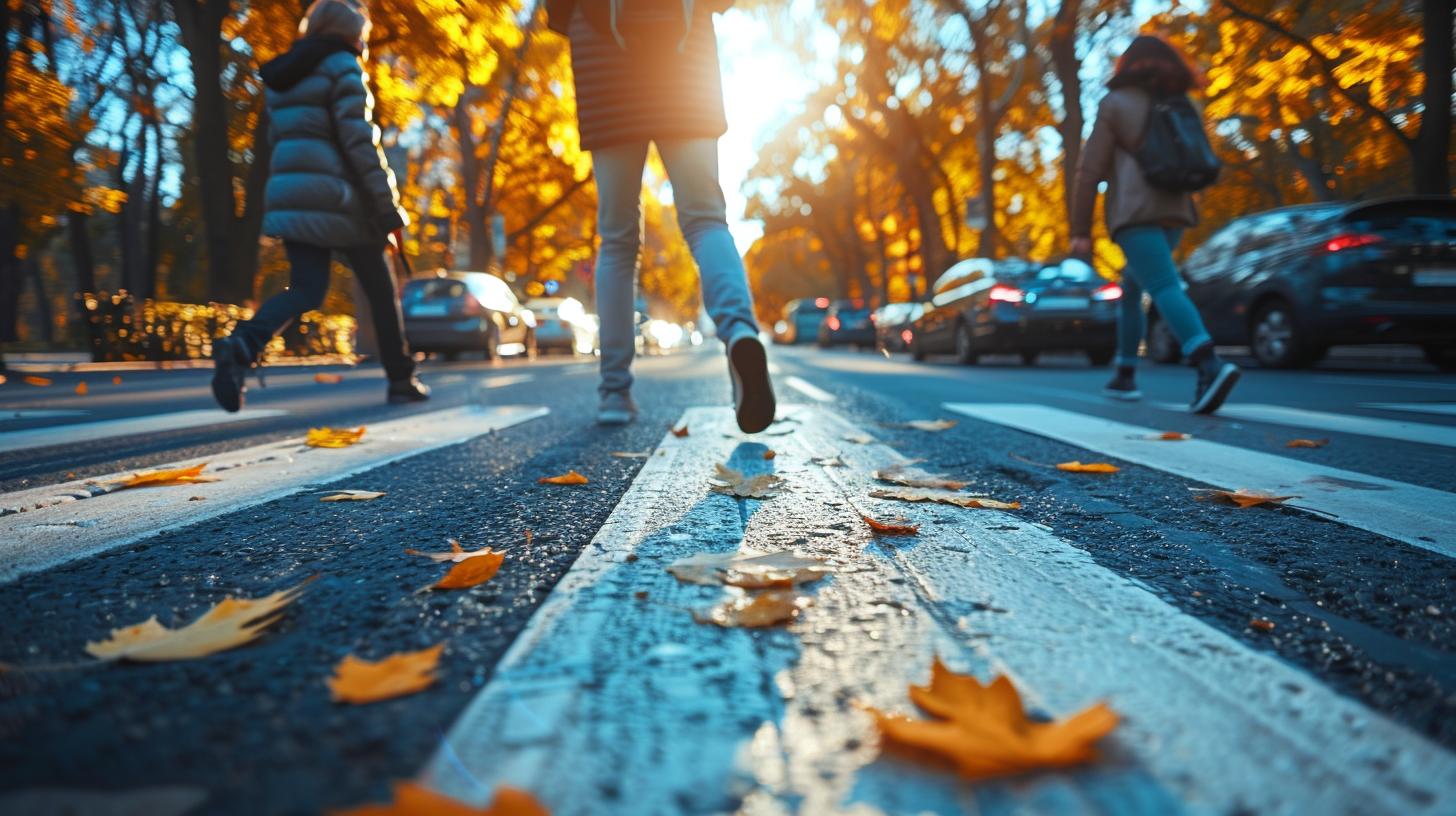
{"x": 822, "y": 303}
{"x": 1351, "y": 241}
{"x": 1007, "y": 294}
{"x": 1107, "y": 291}
{"x": 907, "y": 336}
{"x": 833, "y": 324}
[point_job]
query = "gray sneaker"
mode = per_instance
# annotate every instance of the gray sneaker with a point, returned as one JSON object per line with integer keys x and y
{"x": 616, "y": 408}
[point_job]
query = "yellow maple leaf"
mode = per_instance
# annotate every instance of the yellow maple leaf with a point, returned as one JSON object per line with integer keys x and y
{"x": 328, "y": 379}
{"x": 915, "y": 477}
{"x": 82, "y": 389}
{"x": 734, "y": 483}
{"x": 881, "y": 528}
{"x": 333, "y": 437}
{"x": 228, "y": 624}
{"x": 774, "y": 570}
{"x": 755, "y": 611}
{"x": 1243, "y": 497}
{"x": 362, "y": 681}
{"x": 414, "y": 799}
{"x": 1088, "y": 467}
{"x": 984, "y": 730}
{"x": 1306, "y": 443}
{"x": 471, "y": 568}
{"x": 943, "y": 497}
{"x": 169, "y": 476}
{"x": 570, "y": 477}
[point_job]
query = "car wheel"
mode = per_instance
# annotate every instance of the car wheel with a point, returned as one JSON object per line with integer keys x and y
{"x": 1441, "y": 357}
{"x": 1274, "y": 337}
{"x": 492, "y": 344}
{"x": 1029, "y": 358}
{"x": 1101, "y": 357}
{"x": 1162, "y": 345}
{"x": 965, "y": 345}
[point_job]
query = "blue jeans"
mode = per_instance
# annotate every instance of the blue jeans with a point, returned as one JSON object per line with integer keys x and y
{"x": 692, "y": 167}
{"x": 1149, "y": 251}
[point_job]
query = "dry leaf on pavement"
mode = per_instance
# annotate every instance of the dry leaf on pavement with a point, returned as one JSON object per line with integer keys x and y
{"x": 328, "y": 379}
{"x": 915, "y": 477}
{"x": 943, "y": 497}
{"x": 82, "y": 389}
{"x": 1243, "y": 497}
{"x": 1262, "y": 624}
{"x": 353, "y": 495}
{"x": 116, "y": 380}
{"x": 1088, "y": 467}
{"x": 570, "y": 477}
{"x": 1169, "y": 436}
{"x": 34, "y": 380}
{"x": 169, "y": 476}
{"x": 632, "y": 454}
{"x": 1306, "y": 443}
{"x": 333, "y": 437}
{"x": 985, "y": 732}
{"x": 829, "y": 461}
{"x": 680, "y": 432}
{"x": 754, "y": 611}
{"x": 884, "y": 529}
{"x": 774, "y": 570}
{"x": 859, "y": 438}
{"x": 923, "y": 424}
{"x": 471, "y": 568}
{"x": 734, "y": 483}
{"x": 231, "y": 622}
{"x": 768, "y": 455}
{"x": 364, "y": 681}
{"x": 414, "y": 799}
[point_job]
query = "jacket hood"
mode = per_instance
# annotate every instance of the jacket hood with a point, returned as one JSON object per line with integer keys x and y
{"x": 291, "y": 67}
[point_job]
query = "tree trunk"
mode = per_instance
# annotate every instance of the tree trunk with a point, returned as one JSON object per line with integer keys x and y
{"x": 479, "y": 249}
{"x": 1068, "y": 70}
{"x": 83, "y": 258}
{"x": 1430, "y": 152}
{"x": 986, "y": 166}
{"x": 31, "y": 269}
{"x": 10, "y": 280}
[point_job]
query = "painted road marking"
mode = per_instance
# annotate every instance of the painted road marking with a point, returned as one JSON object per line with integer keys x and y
{"x": 129, "y": 426}
{"x": 612, "y": 700}
{"x": 505, "y": 380}
{"x": 1416, "y": 515}
{"x": 15, "y": 416}
{"x": 1379, "y": 383}
{"x": 46, "y": 526}
{"x": 808, "y": 389}
{"x": 1442, "y": 408}
{"x": 1420, "y": 433}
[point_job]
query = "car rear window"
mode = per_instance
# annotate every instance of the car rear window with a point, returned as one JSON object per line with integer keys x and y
{"x": 433, "y": 288}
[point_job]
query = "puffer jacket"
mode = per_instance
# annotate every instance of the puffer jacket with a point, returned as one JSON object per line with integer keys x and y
{"x": 329, "y": 183}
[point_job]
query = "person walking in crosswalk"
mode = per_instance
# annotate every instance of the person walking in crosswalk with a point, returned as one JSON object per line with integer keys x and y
{"x": 330, "y": 189}
{"x": 646, "y": 72}
{"x": 1146, "y": 216}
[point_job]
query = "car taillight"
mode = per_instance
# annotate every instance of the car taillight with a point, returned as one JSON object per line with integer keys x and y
{"x": 470, "y": 305}
{"x": 1351, "y": 240}
{"x": 833, "y": 323}
{"x": 1107, "y": 291}
{"x": 1006, "y": 294}
{"x": 907, "y": 336}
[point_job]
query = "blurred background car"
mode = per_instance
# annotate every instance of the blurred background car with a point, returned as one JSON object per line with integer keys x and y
{"x": 801, "y": 320}
{"x": 847, "y": 323}
{"x": 892, "y": 325}
{"x": 562, "y": 324}
{"x": 451, "y": 312}
{"x": 1013, "y": 306}
{"x": 1292, "y": 282}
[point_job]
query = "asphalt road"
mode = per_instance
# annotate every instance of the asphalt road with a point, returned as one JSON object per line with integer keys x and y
{"x": 1362, "y": 613}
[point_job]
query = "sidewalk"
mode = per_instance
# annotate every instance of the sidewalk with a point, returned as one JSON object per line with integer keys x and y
{"x": 58, "y": 362}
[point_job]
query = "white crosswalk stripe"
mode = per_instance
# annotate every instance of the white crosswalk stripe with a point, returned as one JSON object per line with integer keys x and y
{"x": 1440, "y": 408}
{"x": 46, "y": 526}
{"x": 127, "y": 426}
{"x": 612, "y": 687}
{"x": 1416, "y": 515}
{"x": 1418, "y": 432}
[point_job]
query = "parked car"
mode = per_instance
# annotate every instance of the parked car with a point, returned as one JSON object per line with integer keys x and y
{"x": 1292, "y": 282}
{"x": 562, "y": 324}
{"x": 801, "y": 320}
{"x": 981, "y": 306}
{"x": 847, "y": 323}
{"x": 451, "y": 312}
{"x": 893, "y": 322}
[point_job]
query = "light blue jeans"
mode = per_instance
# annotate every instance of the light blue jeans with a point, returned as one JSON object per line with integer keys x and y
{"x": 692, "y": 167}
{"x": 1149, "y": 251}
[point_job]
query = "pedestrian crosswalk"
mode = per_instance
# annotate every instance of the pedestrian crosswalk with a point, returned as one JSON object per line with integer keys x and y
{"x": 14, "y": 441}
{"x": 613, "y": 683}
{"x": 1417, "y": 432}
{"x": 45, "y": 526}
{"x": 1416, "y": 515}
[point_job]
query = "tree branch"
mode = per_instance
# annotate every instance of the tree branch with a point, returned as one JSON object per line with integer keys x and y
{"x": 547, "y": 210}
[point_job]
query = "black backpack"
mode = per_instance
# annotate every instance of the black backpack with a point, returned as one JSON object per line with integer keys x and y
{"x": 1175, "y": 154}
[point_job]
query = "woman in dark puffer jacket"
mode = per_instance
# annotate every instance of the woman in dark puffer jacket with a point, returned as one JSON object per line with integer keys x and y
{"x": 330, "y": 189}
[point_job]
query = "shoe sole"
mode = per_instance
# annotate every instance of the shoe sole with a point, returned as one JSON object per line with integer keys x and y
{"x": 756, "y": 404}
{"x": 400, "y": 399}
{"x": 614, "y": 418}
{"x": 228, "y": 395}
{"x": 1223, "y": 383}
{"x": 1125, "y": 396}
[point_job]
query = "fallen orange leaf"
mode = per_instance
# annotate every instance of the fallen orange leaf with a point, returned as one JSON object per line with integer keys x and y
{"x": 471, "y": 568}
{"x": 934, "y": 425}
{"x": 328, "y": 379}
{"x": 755, "y": 611}
{"x": 881, "y": 528}
{"x": 82, "y": 388}
{"x": 230, "y": 623}
{"x": 414, "y": 799}
{"x": 768, "y": 454}
{"x": 734, "y": 483}
{"x": 984, "y": 730}
{"x": 34, "y": 380}
{"x": 570, "y": 477}
{"x": 162, "y": 478}
{"x": 943, "y": 497}
{"x": 363, "y": 681}
{"x": 1171, "y": 436}
{"x": 1262, "y": 624}
{"x": 333, "y": 437}
{"x": 116, "y": 380}
{"x": 1306, "y": 443}
{"x": 1243, "y": 497}
{"x": 1088, "y": 467}
{"x": 915, "y": 477}
{"x": 680, "y": 432}
{"x": 774, "y": 570}
{"x": 353, "y": 495}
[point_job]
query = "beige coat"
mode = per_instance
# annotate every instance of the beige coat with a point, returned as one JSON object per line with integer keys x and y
{"x": 1108, "y": 156}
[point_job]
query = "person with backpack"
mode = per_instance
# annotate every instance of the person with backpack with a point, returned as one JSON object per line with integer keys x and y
{"x": 329, "y": 189}
{"x": 646, "y": 72}
{"x": 1149, "y": 145}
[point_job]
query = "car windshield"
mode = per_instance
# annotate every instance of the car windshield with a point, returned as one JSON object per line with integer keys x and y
{"x": 1066, "y": 273}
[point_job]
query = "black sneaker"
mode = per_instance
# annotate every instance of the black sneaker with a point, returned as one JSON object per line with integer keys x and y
{"x": 1216, "y": 378}
{"x": 230, "y": 364}
{"x": 753, "y": 396}
{"x": 410, "y": 390}
{"x": 1123, "y": 386}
